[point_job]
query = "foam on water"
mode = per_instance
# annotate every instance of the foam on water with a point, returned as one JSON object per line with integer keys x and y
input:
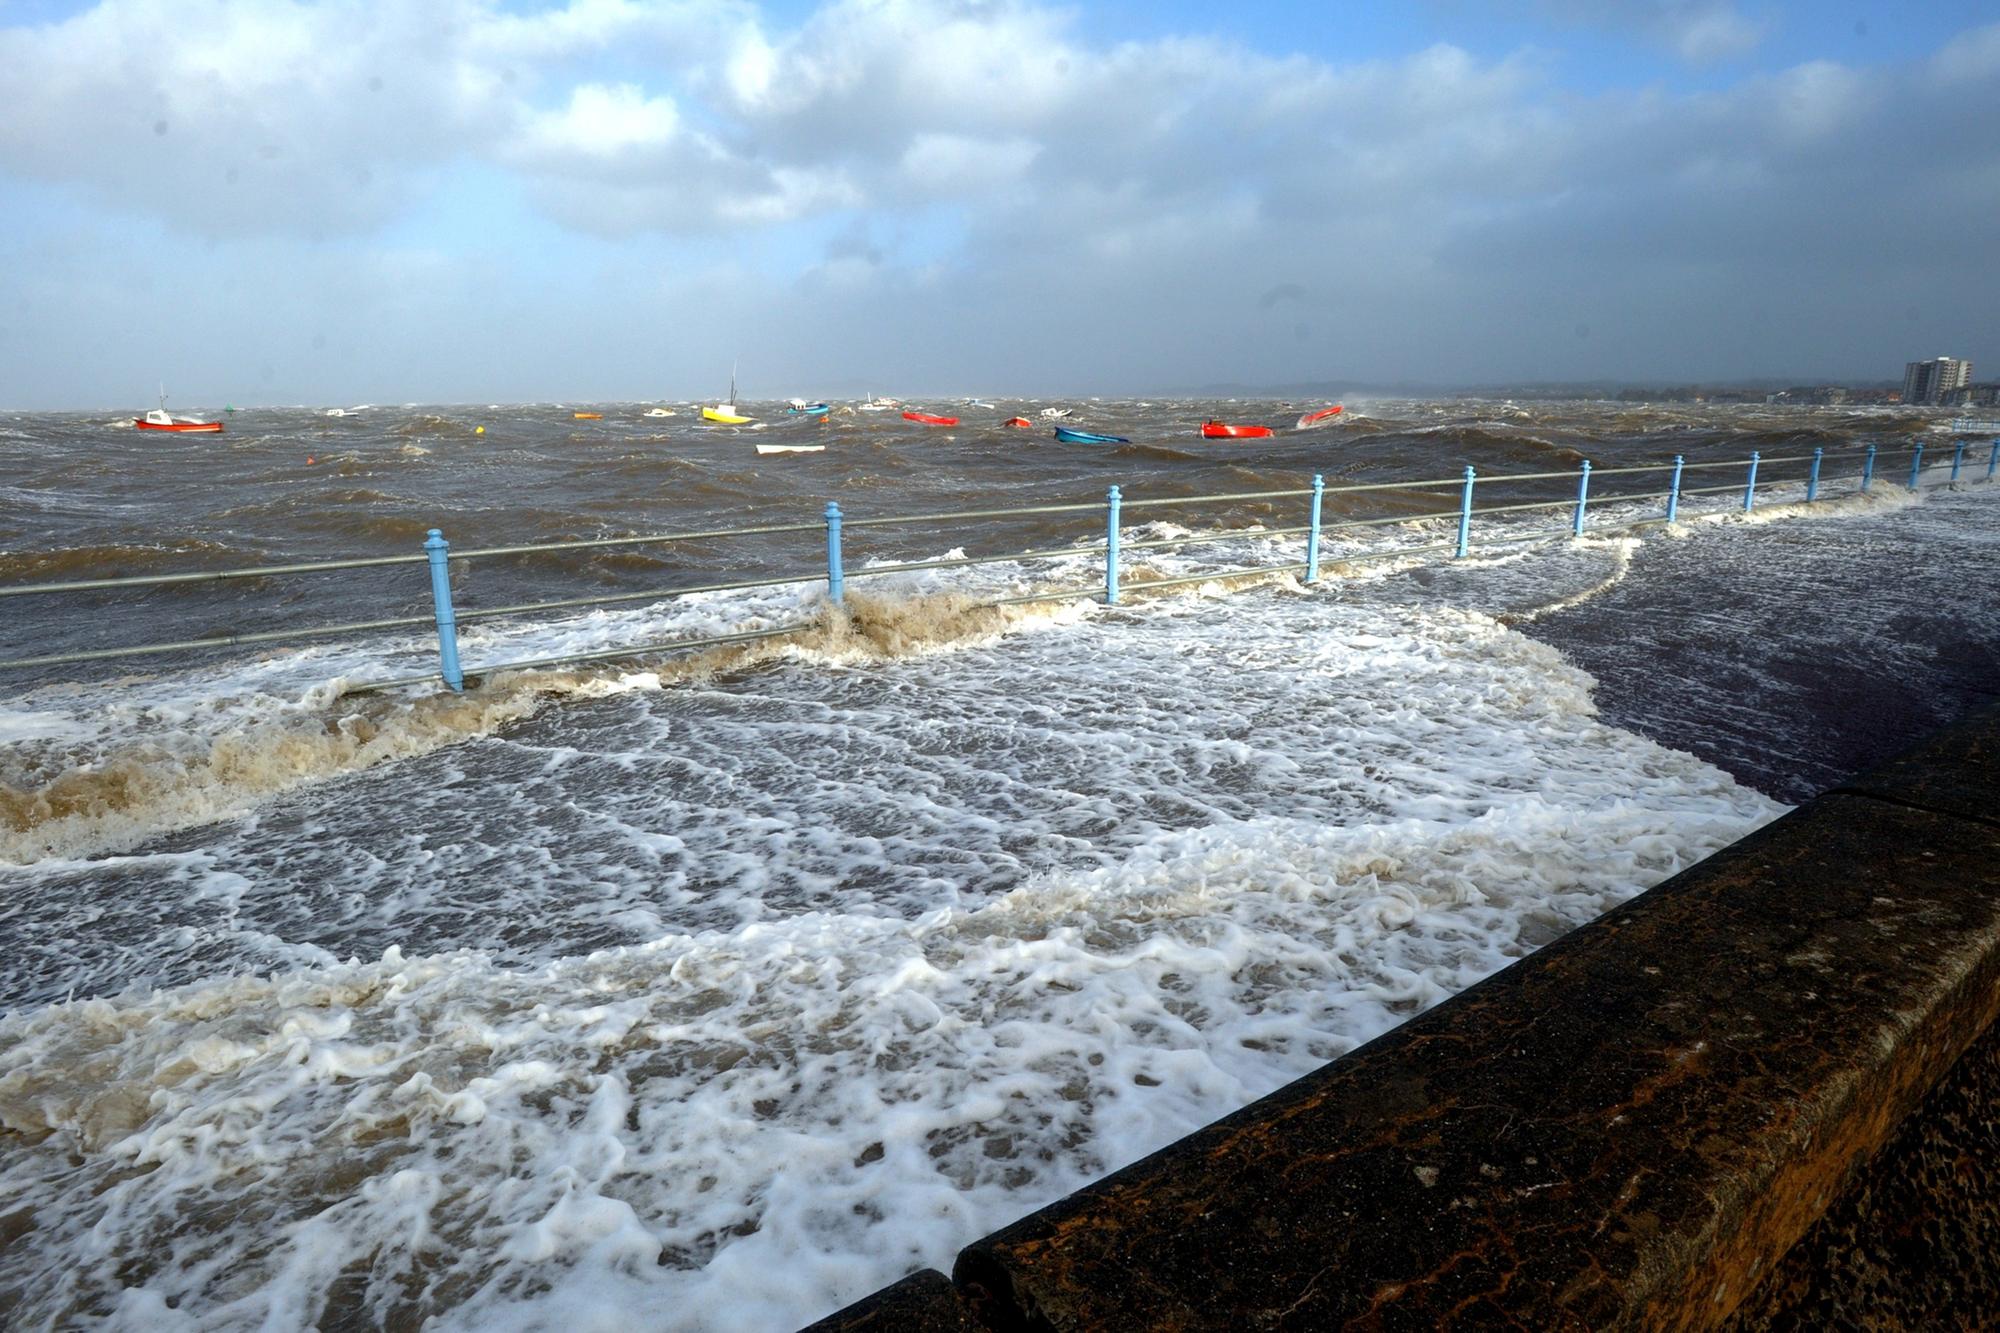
{"x": 1147, "y": 895}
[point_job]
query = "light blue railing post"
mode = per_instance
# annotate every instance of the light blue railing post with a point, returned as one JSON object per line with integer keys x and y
{"x": 1916, "y": 463}
{"x": 1993, "y": 460}
{"x": 836, "y": 577}
{"x": 1465, "y": 514}
{"x": 1750, "y": 486}
{"x": 439, "y": 551}
{"x": 1582, "y": 499}
{"x": 1957, "y": 457}
{"x": 1111, "y": 502}
{"x": 1867, "y": 469}
{"x": 1312, "y": 533}
{"x": 1674, "y": 490}
{"x": 1812, "y": 481}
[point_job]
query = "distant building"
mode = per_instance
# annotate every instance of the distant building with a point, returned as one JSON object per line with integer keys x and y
{"x": 1935, "y": 381}
{"x": 1984, "y": 395}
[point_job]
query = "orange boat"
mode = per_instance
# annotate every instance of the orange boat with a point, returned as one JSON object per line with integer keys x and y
{"x": 926, "y": 419}
{"x": 1222, "y": 430}
{"x": 588, "y": 416}
{"x": 1019, "y": 421}
{"x": 1324, "y": 414}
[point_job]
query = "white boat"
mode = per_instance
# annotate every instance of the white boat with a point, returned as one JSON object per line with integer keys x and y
{"x": 880, "y": 405}
{"x": 659, "y": 411}
{"x": 1055, "y": 413}
{"x": 791, "y": 448}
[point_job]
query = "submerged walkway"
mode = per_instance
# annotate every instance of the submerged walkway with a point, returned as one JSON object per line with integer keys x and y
{"x": 1762, "y": 1093}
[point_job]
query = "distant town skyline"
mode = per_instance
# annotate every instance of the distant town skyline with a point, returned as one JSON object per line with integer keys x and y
{"x": 612, "y": 199}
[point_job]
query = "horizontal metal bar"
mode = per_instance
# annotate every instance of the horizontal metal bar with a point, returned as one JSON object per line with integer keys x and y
{"x": 211, "y": 575}
{"x": 1205, "y": 499}
{"x": 951, "y": 562}
{"x": 654, "y": 594}
{"x": 219, "y": 641}
{"x": 1362, "y": 557}
{"x": 602, "y": 655}
{"x": 886, "y": 519}
{"x": 1060, "y": 595}
{"x": 1210, "y": 578}
{"x": 653, "y": 539}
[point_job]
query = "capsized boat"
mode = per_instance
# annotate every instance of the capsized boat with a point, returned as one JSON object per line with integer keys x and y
{"x": 1222, "y": 430}
{"x": 659, "y": 412}
{"x": 725, "y": 414}
{"x": 1018, "y": 422}
{"x": 159, "y": 419}
{"x": 1055, "y": 413}
{"x": 929, "y": 419}
{"x": 1324, "y": 414}
{"x": 791, "y": 448}
{"x": 1068, "y": 436}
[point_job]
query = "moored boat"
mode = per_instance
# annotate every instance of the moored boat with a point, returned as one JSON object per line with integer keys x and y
{"x": 1222, "y": 430}
{"x": 800, "y": 408}
{"x": 1019, "y": 422}
{"x": 725, "y": 414}
{"x": 588, "y": 416}
{"x": 929, "y": 419}
{"x": 160, "y": 419}
{"x": 659, "y": 412}
{"x": 1324, "y": 414}
{"x": 1068, "y": 436}
{"x": 791, "y": 448}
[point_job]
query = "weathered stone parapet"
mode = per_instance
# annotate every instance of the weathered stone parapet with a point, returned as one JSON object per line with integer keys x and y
{"x": 1636, "y": 1126}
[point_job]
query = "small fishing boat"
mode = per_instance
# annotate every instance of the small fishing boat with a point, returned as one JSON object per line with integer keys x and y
{"x": 791, "y": 448}
{"x": 1222, "y": 430}
{"x": 725, "y": 414}
{"x": 801, "y": 408}
{"x": 1324, "y": 414}
{"x": 159, "y": 419}
{"x": 588, "y": 416}
{"x": 880, "y": 405}
{"x": 1068, "y": 436}
{"x": 1055, "y": 413}
{"x": 1019, "y": 422}
{"x": 659, "y": 412}
{"x": 928, "y": 419}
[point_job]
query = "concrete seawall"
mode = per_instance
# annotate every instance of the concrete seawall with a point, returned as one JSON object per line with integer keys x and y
{"x": 1765, "y": 1093}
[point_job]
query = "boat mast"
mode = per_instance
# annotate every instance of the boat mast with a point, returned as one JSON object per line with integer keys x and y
{"x": 732, "y": 383}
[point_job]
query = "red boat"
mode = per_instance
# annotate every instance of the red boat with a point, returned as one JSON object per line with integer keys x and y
{"x": 159, "y": 420}
{"x": 1019, "y": 421}
{"x": 1222, "y": 430}
{"x": 927, "y": 419}
{"x": 1324, "y": 414}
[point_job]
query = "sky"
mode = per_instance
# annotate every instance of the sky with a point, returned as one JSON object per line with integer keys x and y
{"x": 495, "y": 201}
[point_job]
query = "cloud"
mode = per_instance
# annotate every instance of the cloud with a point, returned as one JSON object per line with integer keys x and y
{"x": 1698, "y": 31}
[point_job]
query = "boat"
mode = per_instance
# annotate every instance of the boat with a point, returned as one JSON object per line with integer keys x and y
{"x": 1324, "y": 414}
{"x": 588, "y": 416}
{"x": 1054, "y": 413}
{"x": 1018, "y": 422}
{"x": 928, "y": 419}
{"x": 1068, "y": 436}
{"x": 660, "y": 412}
{"x": 800, "y": 408}
{"x": 159, "y": 419}
{"x": 791, "y": 448}
{"x": 725, "y": 414}
{"x": 1222, "y": 430}
{"x": 880, "y": 405}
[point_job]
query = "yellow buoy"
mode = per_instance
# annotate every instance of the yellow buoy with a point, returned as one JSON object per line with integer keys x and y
{"x": 480, "y": 431}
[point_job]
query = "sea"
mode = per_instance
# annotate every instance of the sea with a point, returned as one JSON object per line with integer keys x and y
{"x": 714, "y": 989}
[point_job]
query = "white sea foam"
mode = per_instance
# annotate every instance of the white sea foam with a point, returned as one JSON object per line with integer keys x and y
{"x": 1129, "y": 901}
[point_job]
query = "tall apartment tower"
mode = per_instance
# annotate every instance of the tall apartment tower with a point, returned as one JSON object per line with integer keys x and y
{"x": 1935, "y": 381}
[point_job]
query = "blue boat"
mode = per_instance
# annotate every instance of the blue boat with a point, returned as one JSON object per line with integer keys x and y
{"x": 1068, "y": 436}
{"x": 808, "y": 409}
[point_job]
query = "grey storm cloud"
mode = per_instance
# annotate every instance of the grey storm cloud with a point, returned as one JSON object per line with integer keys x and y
{"x": 975, "y": 195}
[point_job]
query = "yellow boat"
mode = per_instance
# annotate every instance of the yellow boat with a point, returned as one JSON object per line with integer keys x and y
{"x": 725, "y": 413}
{"x": 588, "y": 416}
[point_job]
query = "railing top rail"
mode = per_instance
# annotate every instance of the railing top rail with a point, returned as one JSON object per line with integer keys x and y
{"x": 211, "y": 575}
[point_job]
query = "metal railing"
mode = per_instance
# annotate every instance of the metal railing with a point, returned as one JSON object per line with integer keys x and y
{"x": 437, "y": 553}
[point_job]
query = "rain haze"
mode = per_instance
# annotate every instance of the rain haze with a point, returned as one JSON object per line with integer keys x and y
{"x": 461, "y": 201}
